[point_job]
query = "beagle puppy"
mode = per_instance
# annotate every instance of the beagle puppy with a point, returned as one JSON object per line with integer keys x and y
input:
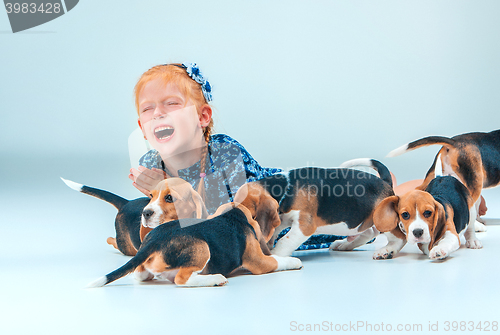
{"x": 473, "y": 158}
{"x": 337, "y": 201}
{"x": 202, "y": 252}
{"x": 173, "y": 198}
{"x": 434, "y": 219}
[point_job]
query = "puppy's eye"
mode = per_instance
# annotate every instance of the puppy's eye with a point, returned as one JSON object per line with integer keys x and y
{"x": 169, "y": 198}
{"x": 405, "y": 215}
{"x": 427, "y": 214}
{"x": 150, "y": 195}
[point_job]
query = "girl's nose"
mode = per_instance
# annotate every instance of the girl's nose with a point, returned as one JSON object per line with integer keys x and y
{"x": 158, "y": 111}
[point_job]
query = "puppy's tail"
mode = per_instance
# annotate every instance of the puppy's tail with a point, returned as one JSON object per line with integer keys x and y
{"x": 130, "y": 266}
{"x": 423, "y": 142}
{"x": 113, "y": 199}
{"x": 382, "y": 170}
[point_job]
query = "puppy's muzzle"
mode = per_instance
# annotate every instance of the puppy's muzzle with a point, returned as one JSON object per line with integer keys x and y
{"x": 147, "y": 214}
{"x": 418, "y": 232}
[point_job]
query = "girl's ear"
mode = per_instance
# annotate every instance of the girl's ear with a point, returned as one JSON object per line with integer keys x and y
{"x": 140, "y": 126}
{"x": 385, "y": 216}
{"x": 205, "y": 115}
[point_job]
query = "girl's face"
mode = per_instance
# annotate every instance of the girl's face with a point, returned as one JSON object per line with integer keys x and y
{"x": 169, "y": 121}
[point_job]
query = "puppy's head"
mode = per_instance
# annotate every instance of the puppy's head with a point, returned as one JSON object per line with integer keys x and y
{"x": 417, "y": 214}
{"x": 262, "y": 206}
{"x": 172, "y": 199}
{"x": 258, "y": 205}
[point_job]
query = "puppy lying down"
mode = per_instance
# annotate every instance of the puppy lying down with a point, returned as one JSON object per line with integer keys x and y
{"x": 202, "y": 252}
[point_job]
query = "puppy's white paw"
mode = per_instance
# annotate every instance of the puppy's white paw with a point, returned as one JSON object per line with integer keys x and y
{"x": 474, "y": 244}
{"x": 480, "y": 227}
{"x": 287, "y": 263}
{"x": 294, "y": 263}
{"x": 143, "y": 275}
{"x": 197, "y": 280}
{"x": 219, "y": 280}
{"x": 384, "y": 253}
{"x": 438, "y": 253}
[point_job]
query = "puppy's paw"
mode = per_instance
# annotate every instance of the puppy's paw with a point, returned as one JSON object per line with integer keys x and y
{"x": 219, "y": 280}
{"x": 438, "y": 253}
{"x": 112, "y": 241}
{"x": 341, "y": 245}
{"x": 287, "y": 263}
{"x": 143, "y": 275}
{"x": 197, "y": 280}
{"x": 479, "y": 227}
{"x": 294, "y": 263}
{"x": 474, "y": 244}
{"x": 384, "y": 253}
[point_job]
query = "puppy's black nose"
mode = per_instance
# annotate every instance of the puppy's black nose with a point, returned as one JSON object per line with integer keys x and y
{"x": 147, "y": 214}
{"x": 418, "y": 232}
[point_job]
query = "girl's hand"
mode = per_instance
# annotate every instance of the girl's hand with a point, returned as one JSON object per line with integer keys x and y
{"x": 145, "y": 179}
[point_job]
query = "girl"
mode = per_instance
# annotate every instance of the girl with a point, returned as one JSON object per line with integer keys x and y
{"x": 172, "y": 102}
{"x": 176, "y": 119}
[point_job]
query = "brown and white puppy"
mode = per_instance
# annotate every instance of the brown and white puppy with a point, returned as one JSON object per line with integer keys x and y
{"x": 263, "y": 208}
{"x": 337, "y": 201}
{"x": 473, "y": 158}
{"x": 129, "y": 231}
{"x": 434, "y": 219}
{"x": 202, "y": 252}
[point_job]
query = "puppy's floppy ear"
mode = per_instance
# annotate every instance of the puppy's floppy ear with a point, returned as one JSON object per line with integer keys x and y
{"x": 267, "y": 216}
{"x": 143, "y": 231}
{"x": 439, "y": 224}
{"x": 385, "y": 216}
{"x": 201, "y": 210}
{"x": 262, "y": 206}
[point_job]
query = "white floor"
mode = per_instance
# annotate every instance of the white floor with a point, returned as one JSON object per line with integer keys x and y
{"x": 54, "y": 243}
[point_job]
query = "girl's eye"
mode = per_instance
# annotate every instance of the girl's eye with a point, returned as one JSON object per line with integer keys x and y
{"x": 405, "y": 215}
{"x": 146, "y": 109}
{"x": 427, "y": 214}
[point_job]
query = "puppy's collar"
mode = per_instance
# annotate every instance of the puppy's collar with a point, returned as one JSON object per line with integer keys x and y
{"x": 402, "y": 227}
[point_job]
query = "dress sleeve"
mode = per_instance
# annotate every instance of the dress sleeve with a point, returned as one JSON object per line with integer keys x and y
{"x": 151, "y": 159}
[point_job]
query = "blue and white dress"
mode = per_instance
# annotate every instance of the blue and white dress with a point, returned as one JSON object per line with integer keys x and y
{"x": 229, "y": 166}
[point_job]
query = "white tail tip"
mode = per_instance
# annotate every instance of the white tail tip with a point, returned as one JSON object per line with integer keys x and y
{"x": 399, "y": 151}
{"x": 72, "y": 184}
{"x": 357, "y": 162}
{"x": 97, "y": 283}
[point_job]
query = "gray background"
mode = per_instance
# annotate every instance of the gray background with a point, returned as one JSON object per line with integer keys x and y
{"x": 296, "y": 82}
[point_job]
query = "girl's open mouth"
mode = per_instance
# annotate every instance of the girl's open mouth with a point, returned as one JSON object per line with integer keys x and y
{"x": 164, "y": 133}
